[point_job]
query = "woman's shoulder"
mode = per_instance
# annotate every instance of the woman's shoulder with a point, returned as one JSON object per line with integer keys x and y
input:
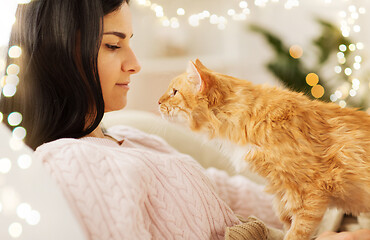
{"x": 59, "y": 144}
{"x": 69, "y": 148}
{"x": 99, "y": 154}
{"x": 63, "y": 144}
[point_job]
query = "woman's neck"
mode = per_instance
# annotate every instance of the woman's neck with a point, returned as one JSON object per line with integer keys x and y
{"x": 98, "y": 132}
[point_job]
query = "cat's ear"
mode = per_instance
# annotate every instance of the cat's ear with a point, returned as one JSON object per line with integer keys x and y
{"x": 200, "y": 65}
{"x": 194, "y": 76}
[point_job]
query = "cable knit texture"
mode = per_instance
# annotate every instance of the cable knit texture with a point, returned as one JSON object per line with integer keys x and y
{"x": 145, "y": 189}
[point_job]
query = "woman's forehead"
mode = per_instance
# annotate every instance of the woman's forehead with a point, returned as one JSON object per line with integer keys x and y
{"x": 119, "y": 21}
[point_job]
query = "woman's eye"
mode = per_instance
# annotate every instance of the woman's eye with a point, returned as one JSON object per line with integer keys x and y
{"x": 112, "y": 47}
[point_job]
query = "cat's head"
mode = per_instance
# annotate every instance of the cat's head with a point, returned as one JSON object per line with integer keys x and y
{"x": 192, "y": 96}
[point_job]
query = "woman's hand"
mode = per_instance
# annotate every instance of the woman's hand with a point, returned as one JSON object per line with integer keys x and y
{"x": 363, "y": 234}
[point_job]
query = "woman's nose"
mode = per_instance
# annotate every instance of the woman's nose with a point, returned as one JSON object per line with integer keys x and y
{"x": 131, "y": 64}
{"x": 135, "y": 68}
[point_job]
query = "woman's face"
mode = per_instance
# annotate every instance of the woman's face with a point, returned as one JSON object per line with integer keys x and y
{"x": 116, "y": 60}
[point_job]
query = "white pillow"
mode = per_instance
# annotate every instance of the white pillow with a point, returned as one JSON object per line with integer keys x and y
{"x": 181, "y": 138}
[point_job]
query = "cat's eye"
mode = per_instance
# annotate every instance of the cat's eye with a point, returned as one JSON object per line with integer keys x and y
{"x": 174, "y": 92}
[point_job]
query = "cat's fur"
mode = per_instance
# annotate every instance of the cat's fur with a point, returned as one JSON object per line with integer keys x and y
{"x": 314, "y": 155}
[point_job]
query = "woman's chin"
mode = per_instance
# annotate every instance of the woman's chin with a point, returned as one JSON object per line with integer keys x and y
{"x": 117, "y": 107}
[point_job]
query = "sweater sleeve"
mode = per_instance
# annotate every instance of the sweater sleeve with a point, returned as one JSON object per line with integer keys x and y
{"x": 105, "y": 194}
{"x": 244, "y": 196}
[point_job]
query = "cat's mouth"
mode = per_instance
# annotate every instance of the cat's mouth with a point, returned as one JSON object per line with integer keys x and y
{"x": 172, "y": 115}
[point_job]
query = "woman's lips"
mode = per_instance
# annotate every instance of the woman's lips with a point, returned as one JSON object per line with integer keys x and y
{"x": 123, "y": 85}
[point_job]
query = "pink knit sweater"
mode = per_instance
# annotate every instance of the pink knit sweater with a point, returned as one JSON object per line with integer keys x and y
{"x": 144, "y": 189}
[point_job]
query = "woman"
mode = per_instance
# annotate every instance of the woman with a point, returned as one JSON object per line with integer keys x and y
{"x": 76, "y": 64}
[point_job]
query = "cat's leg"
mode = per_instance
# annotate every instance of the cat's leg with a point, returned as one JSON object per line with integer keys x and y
{"x": 305, "y": 221}
{"x": 283, "y": 214}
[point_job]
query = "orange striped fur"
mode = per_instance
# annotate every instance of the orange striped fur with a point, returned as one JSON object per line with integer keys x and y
{"x": 314, "y": 155}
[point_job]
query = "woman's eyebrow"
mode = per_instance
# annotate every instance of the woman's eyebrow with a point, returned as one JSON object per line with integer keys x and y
{"x": 118, "y": 34}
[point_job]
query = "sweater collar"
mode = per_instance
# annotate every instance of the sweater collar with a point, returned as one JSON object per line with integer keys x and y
{"x": 101, "y": 141}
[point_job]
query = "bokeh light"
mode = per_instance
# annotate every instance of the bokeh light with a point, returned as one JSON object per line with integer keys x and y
{"x": 19, "y": 133}
{"x": 14, "y": 52}
{"x": 342, "y": 47}
{"x": 14, "y": 118}
{"x": 15, "y": 230}
{"x": 16, "y": 144}
{"x": 33, "y": 218}
{"x": 24, "y": 161}
{"x": 296, "y": 51}
{"x": 9, "y": 90}
{"x": 13, "y": 69}
{"x": 312, "y": 79}
{"x": 180, "y": 11}
{"x": 317, "y": 91}
{"x": 23, "y": 210}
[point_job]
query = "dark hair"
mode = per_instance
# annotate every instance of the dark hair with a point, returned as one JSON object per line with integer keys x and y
{"x": 59, "y": 93}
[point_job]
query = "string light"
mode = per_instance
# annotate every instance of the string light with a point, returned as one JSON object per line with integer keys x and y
{"x": 348, "y": 26}
{"x": 180, "y": 12}
{"x": 333, "y": 98}
{"x": 195, "y": 19}
{"x": 338, "y": 69}
{"x": 342, "y": 47}
{"x": 289, "y": 4}
{"x": 342, "y": 103}
{"x": 348, "y": 71}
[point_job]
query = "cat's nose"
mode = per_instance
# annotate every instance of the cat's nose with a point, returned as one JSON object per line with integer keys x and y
{"x": 160, "y": 100}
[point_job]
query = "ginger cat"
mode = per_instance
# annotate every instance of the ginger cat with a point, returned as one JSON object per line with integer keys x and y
{"x": 314, "y": 155}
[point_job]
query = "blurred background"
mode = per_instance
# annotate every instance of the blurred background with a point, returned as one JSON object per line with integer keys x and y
{"x": 319, "y": 47}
